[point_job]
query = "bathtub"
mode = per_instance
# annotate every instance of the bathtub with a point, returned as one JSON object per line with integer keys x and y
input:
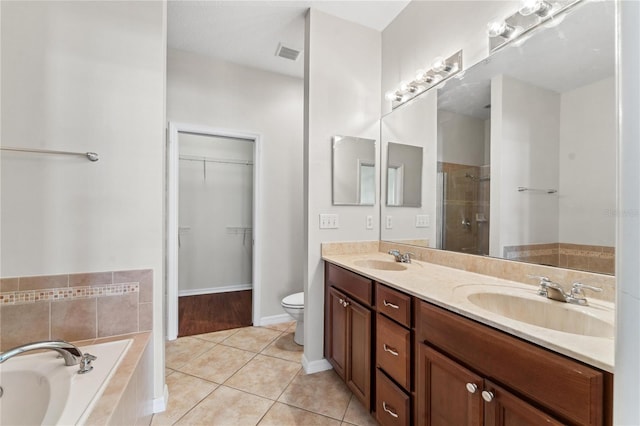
{"x": 40, "y": 389}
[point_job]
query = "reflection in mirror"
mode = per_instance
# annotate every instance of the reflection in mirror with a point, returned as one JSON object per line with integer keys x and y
{"x": 404, "y": 175}
{"x": 539, "y": 114}
{"x": 413, "y": 123}
{"x": 354, "y": 171}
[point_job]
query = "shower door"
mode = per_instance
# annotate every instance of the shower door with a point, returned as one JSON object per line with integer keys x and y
{"x": 464, "y": 203}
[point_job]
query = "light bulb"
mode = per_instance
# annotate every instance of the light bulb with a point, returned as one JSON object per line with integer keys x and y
{"x": 421, "y": 75}
{"x": 539, "y": 7}
{"x": 404, "y": 86}
{"x": 437, "y": 79}
{"x": 500, "y": 29}
{"x": 391, "y": 96}
{"x": 439, "y": 64}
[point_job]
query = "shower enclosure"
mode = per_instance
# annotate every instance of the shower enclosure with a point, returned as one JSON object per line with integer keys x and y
{"x": 464, "y": 203}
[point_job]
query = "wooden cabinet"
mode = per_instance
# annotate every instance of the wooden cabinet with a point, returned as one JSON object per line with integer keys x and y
{"x": 568, "y": 390}
{"x": 393, "y": 405}
{"x": 450, "y": 394}
{"x": 411, "y": 362}
{"x": 446, "y": 392}
{"x": 349, "y": 329}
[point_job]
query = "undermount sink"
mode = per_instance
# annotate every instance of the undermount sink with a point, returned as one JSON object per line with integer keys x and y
{"x": 544, "y": 313}
{"x": 383, "y": 265}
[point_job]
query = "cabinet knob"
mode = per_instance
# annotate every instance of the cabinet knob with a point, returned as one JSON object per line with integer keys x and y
{"x": 389, "y": 410}
{"x": 390, "y": 305}
{"x": 389, "y": 349}
{"x": 487, "y": 396}
{"x": 472, "y": 387}
{"x": 343, "y": 302}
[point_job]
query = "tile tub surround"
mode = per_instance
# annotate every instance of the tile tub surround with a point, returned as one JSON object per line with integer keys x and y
{"x": 442, "y": 286}
{"x": 599, "y": 259}
{"x": 129, "y": 394}
{"x": 75, "y": 307}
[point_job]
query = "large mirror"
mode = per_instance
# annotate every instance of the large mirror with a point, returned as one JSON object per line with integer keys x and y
{"x": 526, "y": 153}
{"x": 354, "y": 171}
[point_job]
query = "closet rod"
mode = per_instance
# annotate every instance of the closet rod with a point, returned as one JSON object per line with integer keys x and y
{"x": 215, "y": 160}
{"x": 91, "y": 156}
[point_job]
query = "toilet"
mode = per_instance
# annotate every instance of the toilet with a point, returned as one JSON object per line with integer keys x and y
{"x": 294, "y": 306}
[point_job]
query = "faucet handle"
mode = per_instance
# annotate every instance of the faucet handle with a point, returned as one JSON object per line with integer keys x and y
{"x": 406, "y": 258}
{"x": 577, "y": 288}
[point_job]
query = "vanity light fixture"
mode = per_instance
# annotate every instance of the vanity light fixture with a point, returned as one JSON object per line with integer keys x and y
{"x": 539, "y": 7}
{"x": 441, "y": 69}
{"x": 531, "y": 14}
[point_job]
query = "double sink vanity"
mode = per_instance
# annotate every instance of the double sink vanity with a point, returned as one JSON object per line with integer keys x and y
{"x": 420, "y": 343}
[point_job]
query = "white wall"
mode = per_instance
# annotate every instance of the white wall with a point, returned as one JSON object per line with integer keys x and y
{"x": 412, "y": 124}
{"x": 213, "y": 93}
{"x": 342, "y": 97}
{"x": 464, "y": 136}
{"x": 588, "y": 164}
{"x": 85, "y": 76}
{"x": 215, "y": 214}
{"x": 525, "y": 133}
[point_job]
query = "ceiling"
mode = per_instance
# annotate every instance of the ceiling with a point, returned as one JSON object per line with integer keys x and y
{"x": 248, "y": 32}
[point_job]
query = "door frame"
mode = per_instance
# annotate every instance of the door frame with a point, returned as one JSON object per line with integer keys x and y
{"x": 173, "y": 198}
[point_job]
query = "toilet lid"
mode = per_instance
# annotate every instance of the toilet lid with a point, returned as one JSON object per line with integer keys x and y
{"x": 296, "y": 299}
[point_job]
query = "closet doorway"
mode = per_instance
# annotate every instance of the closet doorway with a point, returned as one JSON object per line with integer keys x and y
{"x": 211, "y": 229}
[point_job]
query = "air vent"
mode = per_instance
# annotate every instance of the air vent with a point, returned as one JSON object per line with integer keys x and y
{"x": 287, "y": 52}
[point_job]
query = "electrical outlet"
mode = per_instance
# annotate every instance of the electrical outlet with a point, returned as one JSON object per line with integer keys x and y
{"x": 369, "y": 222}
{"x": 329, "y": 221}
{"x": 422, "y": 221}
{"x": 389, "y": 222}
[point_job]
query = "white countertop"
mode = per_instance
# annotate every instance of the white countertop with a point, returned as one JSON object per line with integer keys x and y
{"x": 450, "y": 288}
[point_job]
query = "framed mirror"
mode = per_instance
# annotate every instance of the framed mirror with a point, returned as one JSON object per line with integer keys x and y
{"x": 404, "y": 175}
{"x": 354, "y": 171}
{"x": 526, "y": 156}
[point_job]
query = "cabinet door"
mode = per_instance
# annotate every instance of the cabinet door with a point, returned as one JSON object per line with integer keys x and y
{"x": 505, "y": 409}
{"x": 337, "y": 331}
{"x": 358, "y": 372}
{"x": 446, "y": 393}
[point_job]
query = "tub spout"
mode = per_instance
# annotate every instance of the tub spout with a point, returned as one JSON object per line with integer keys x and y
{"x": 69, "y": 352}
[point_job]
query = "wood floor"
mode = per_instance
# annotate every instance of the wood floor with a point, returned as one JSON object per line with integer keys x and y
{"x": 213, "y": 312}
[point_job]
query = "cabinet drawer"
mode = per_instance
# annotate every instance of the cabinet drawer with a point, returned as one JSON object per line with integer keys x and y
{"x": 354, "y": 285}
{"x": 394, "y": 304}
{"x": 393, "y": 350}
{"x": 393, "y": 406}
{"x": 572, "y": 390}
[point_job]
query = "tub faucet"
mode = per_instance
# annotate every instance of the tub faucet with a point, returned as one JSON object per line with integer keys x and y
{"x": 71, "y": 354}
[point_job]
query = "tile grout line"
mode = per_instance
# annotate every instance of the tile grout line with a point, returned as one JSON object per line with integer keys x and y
{"x": 194, "y": 406}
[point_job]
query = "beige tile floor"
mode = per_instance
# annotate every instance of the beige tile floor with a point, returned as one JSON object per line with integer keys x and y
{"x": 252, "y": 376}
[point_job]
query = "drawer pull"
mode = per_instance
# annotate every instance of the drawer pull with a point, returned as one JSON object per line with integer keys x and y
{"x": 390, "y": 305}
{"x": 472, "y": 387}
{"x": 389, "y": 349}
{"x": 487, "y": 396}
{"x": 388, "y": 410}
{"x": 343, "y": 302}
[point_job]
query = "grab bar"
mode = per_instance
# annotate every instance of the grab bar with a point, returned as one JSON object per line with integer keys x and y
{"x": 91, "y": 156}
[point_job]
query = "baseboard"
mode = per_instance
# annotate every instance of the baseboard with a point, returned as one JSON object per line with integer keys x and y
{"x": 274, "y": 319}
{"x": 160, "y": 404}
{"x": 212, "y": 290}
{"x": 311, "y": 367}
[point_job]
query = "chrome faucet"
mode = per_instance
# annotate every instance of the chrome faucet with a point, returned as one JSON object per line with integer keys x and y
{"x": 554, "y": 291}
{"x": 402, "y": 258}
{"x": 71, "y": 354}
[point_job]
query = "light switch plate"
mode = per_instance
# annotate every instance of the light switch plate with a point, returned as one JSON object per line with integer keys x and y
{"x": 422, "y": 221}
{"x": 389, "y": 222}
{"x": 369, "y": 222}
{"x": 329, "y": 221}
